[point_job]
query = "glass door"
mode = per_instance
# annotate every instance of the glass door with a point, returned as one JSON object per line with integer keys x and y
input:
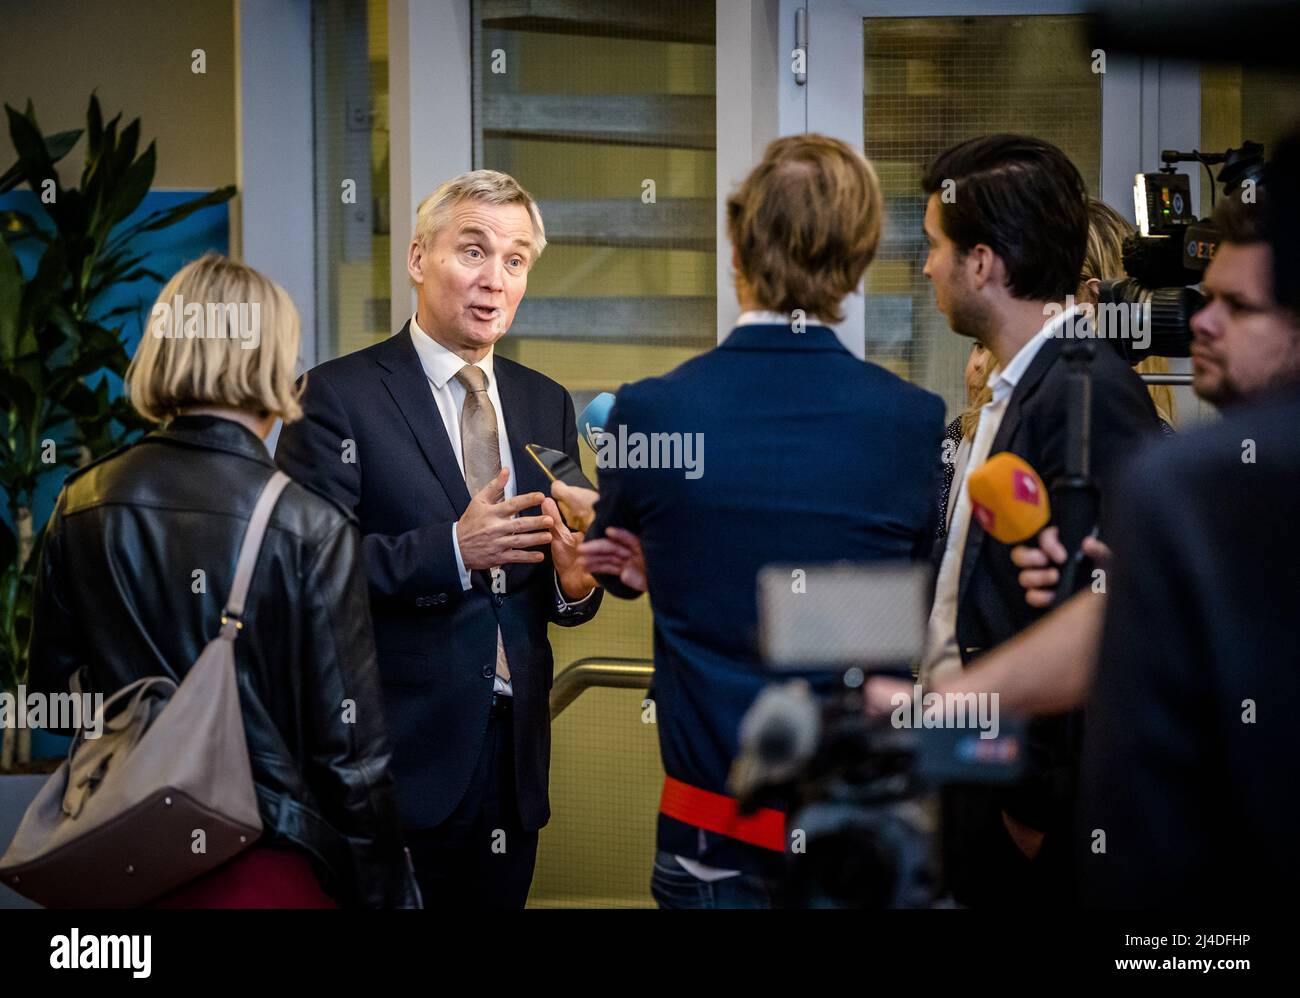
{"x": 931, "y": 75}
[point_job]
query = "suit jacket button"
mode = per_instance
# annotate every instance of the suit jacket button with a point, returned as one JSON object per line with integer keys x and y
{"x": 489, "y": 672}
{"x": 498, "y": 599}
{"x": 421, "y": 601}
{"x": 443, "y": 597}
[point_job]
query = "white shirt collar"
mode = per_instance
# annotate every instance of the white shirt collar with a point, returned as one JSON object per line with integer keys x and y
{"x": 440, "y": 364}
{"x": 757, "y": 318}
{"x": 1004, "y": 380}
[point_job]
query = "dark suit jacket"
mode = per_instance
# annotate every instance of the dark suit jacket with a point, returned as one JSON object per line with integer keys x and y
{"x": 437, "y": 642}
{"x": 1191, "y": 763}
{"x": 991, "y": 605}
{"x": 810, "y": 456}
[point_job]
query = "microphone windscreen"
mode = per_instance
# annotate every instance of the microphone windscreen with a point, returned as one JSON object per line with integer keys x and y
{"x": 594, "y": 417}
{"x": 1008, "y": 498}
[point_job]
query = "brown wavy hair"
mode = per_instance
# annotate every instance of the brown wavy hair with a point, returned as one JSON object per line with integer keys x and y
{"x": 805, "y": 224}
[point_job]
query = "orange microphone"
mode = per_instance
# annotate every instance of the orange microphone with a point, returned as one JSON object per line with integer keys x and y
{"x": 1008, "y": 498}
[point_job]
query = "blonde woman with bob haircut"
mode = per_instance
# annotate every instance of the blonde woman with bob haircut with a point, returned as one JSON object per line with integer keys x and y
{"x": 1104, "y": 261}
{"x": 221, "y": 338}
{"x": 139, "y": 557}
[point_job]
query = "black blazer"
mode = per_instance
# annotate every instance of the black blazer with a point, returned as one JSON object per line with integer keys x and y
{"x": 437, "y": 642}
{"x": 991, "y": 604}
{"x": 1191, "y": 763}
{"x": 114, "y": 594}
{"x": 991, "y": 607}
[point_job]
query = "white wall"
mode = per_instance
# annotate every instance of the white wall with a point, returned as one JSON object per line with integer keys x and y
{"x": 430, "y": 125}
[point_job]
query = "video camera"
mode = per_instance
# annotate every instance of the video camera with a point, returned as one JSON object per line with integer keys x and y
{"x": 1170, "y": 251}
{"x": 861, "y": 796}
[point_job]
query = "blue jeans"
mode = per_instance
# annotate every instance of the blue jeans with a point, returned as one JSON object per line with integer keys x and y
{"x": 675, "y": 887}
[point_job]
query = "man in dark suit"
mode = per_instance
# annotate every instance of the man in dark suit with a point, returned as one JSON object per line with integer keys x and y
{"x": 423, "y": 437}
{"x": 801, "y": 454}
{"x": 1183, "y": 774}
{"x": 1189, "y": 796}
{"x": 1007, "y": 226}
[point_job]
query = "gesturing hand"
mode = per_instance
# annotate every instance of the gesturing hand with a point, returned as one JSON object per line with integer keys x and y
{"x": 617, "y": 553}
{"x": 577, "y": 504}
{"x": 883, "y": 695}
{"x": 575, "y": 580}
{"x": 489, "y": 536}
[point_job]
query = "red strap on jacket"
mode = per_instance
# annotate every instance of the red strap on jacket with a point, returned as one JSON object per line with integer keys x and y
{"x": 718, "y": 813}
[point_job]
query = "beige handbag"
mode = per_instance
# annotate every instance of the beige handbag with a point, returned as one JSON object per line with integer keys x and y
{"x": 165, "y": 794}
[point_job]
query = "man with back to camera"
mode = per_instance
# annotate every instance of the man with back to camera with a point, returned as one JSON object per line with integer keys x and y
{"x": 809, "y": 456}
{"x": 1007, "y": 224}
{"x": 423, "y": 436}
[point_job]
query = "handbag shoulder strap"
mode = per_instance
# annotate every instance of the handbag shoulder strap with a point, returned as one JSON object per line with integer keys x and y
{"x": 248, "y": 552}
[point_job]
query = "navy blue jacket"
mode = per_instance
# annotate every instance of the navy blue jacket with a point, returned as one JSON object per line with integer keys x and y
{"x": 436, "y": 642}
{"x": 810, "y": 456}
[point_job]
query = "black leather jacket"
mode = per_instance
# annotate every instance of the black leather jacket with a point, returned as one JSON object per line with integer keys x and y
{"x": 138, "y": 558}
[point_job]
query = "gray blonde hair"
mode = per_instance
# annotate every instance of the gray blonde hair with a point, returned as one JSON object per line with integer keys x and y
{"x": 488, "y": 186}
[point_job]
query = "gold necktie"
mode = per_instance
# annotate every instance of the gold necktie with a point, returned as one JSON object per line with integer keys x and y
{"x": 480, "y": 448}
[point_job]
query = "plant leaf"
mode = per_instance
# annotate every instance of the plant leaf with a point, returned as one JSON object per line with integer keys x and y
{"x": 126, "y": 148}
{"x": 11, "y": 178}
{"x": 40, "y": 294}
{"x": 135, "y": 185}
{"x": 11, "y": 300}
{"x": 8, "y": 546}
{"x": 94, "y": 127}
{"x": 33, "y": 158}
{"x": 171, "y": 216}
{"x": 60, "y": 144}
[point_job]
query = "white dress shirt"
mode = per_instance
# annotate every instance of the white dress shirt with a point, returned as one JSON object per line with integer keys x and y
{"x": 960, "y": 459}
{"x": 941, "y": 658}
{"x": 440, "y": 368}
{"x": 756, "y": 318}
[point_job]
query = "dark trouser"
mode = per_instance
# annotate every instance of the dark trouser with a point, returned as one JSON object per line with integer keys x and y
{"x": 984, "y": 866}
{"x": 675, "y": 887}
{"x": 481, "y": 856}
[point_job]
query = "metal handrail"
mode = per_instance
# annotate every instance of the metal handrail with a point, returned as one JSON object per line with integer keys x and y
{"x": 599, "y": 670}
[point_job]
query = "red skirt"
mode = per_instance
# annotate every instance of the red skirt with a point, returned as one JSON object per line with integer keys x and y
{"x": 261, "y": 877}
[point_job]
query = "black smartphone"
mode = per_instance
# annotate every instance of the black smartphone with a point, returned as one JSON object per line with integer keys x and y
{"x": 558, "y": 466}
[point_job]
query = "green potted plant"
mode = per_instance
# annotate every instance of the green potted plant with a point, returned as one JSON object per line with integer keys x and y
{"x": 56, "y": 334}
